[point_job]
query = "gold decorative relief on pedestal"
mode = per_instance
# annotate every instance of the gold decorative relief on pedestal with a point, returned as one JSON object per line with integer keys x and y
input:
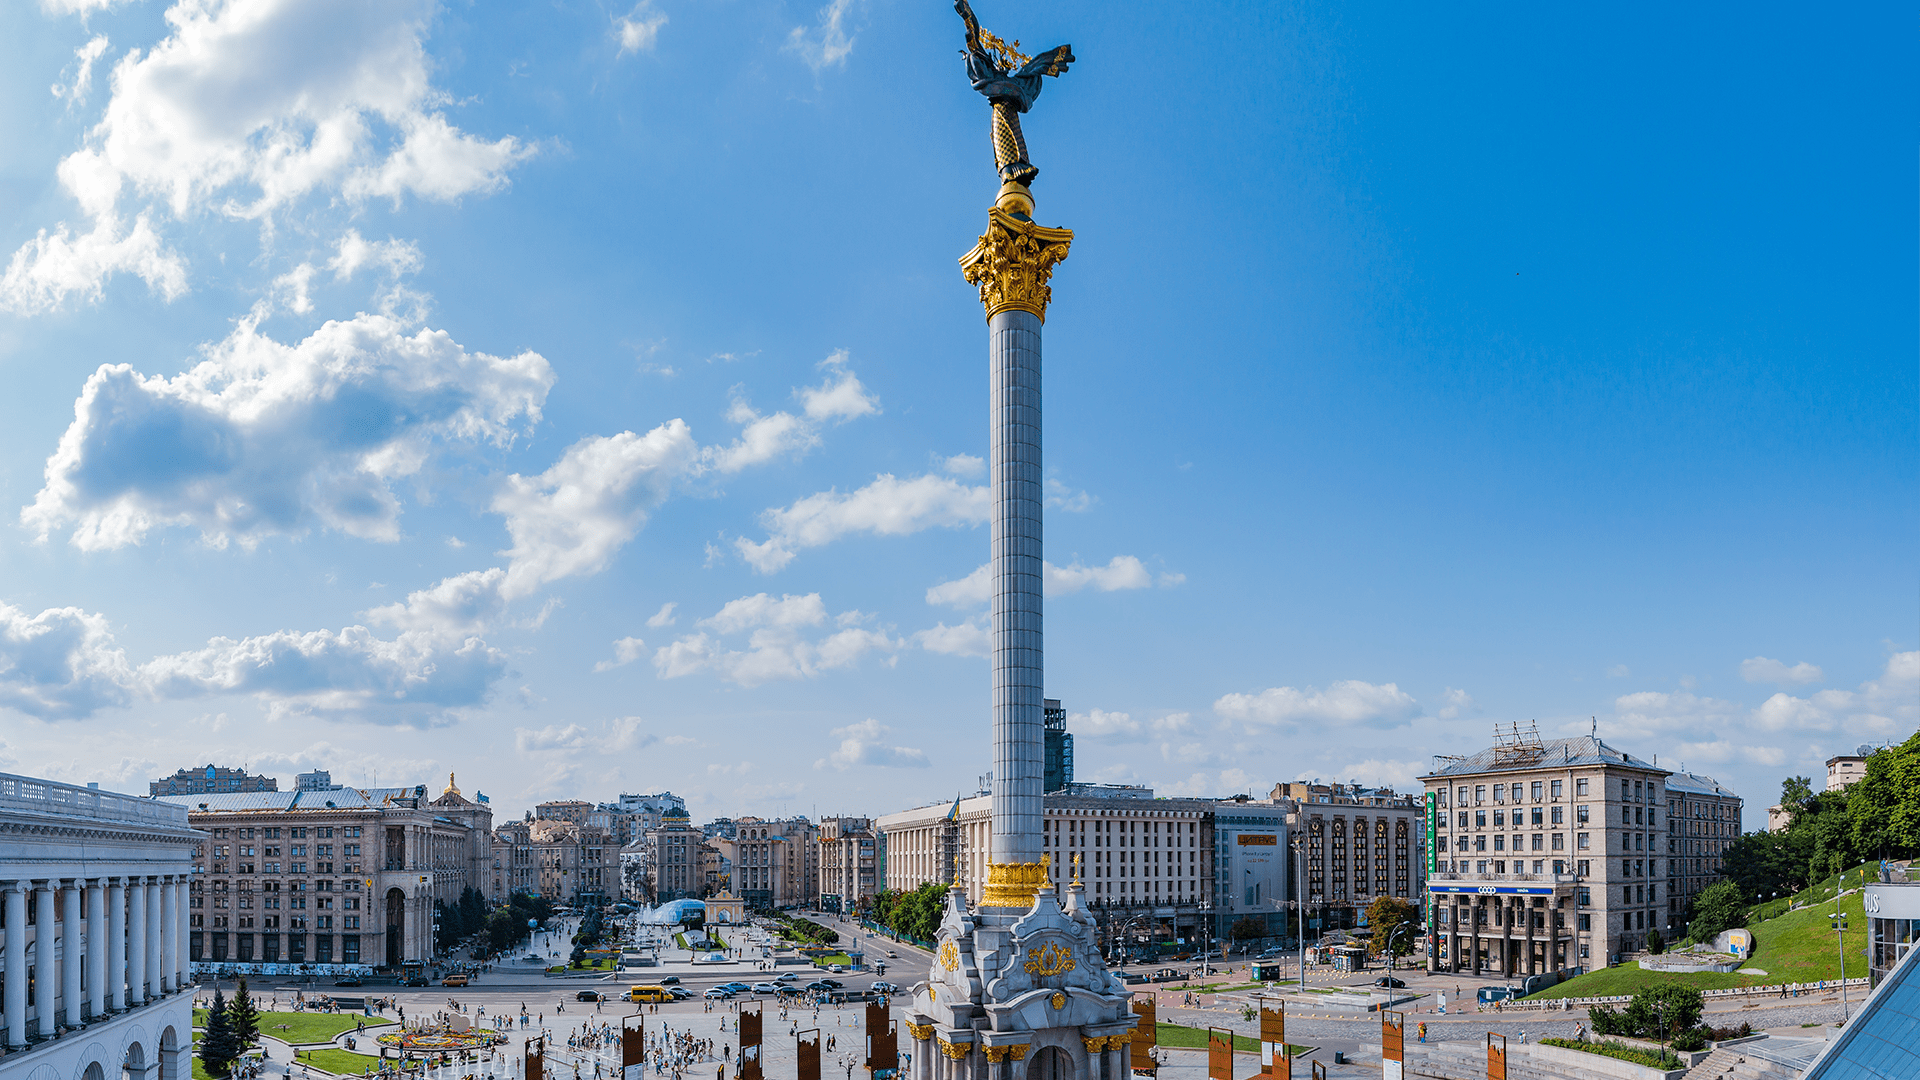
{"x": 950, "y": 956}
{"x": 1058, "y": 1000}
{"x": 920, "y": 1031}
{"x": 956, "y": 1051}
{"x": 996, "y": 1054}
{"x": 1014, "y": 884}
{"x": 1012, "y": 263}
{"x": 1049, "y": 960}
{"x": 1019, "y": 1051}
{"x": 1094, "y": 1043}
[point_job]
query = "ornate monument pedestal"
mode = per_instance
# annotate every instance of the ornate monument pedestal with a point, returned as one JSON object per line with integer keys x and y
{"x": 1018, "y": 989}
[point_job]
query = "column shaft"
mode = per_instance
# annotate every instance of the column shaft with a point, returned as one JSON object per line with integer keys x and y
{"x": 182, "y": 926}
{"x": 169, "y": 935}
{"x": 156, "y": 937}
{"x": 96, "y": 949}
{"x": 136, "y": 941}
{"x": 16, "y": 1007}
{"x": 1018, "y": 684}
{"x": 72, "y": 1000}
{"x": 116, "y": 944}
{"x": 46, "y": 992}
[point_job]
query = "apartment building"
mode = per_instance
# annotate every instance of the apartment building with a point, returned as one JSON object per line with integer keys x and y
{"x": 1545, "y": 856}
{"x": 211, "y": 778}
{"x": 1352, "y": 844}
{"x": 565, "y": 861}
{"x": 1703, "y": 818}
{"x": 340, "y": 877}
{"x": 776, "y": 862}
{"x": 676, "y": 858}
{"x": 1846, "y": 769}
{"x": 849, "y": 863}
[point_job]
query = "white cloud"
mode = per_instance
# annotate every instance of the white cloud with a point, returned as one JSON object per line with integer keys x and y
{"x": 1759, "y": 669}
{"x": 1208, "y": 784}
{"x": 458, "y": 606}
{"x": 841, "y": 397}
{"x": 353, "y": 251}
{"x": 827, "y": 43}
{"x": 1121, "y": 572}
{"x": 1649, "y": 714}
{"x": 1100, "y": 724}
{"x": 1385, "y": 773}
{"x": 262, "y": 438}
{"x": 291, "y": 287}
{"x": 625, "y": 651}
{"x": 1348, "y": 702}
{"x": 84, "y": 58}
{"x": 245, "y": 108}
{"x": 974, "y": 589}
{"x": 638, "y": 29}
{"x": 1882, "y": 706}
{"x": 1061, "y": 497}
{"x": 77, "y": 7}
{"x": 60, "y": 664}
{"x": 551, "y": 737}
{"x": 787, "y": 638}
{"x": 572, "y": 518}
{"x": 969, "y": 638}
{"x": 865, "y": 744}
{"x": 1619, "y": 671}
{"x": 965, "y": 466}
{"x": 1455, "y": 703}
{"x": 663, "y": 617}
{"x": 886, "y": 507}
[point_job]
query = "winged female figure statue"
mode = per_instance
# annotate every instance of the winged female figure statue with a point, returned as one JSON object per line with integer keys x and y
{"x": 1010, "y": 80}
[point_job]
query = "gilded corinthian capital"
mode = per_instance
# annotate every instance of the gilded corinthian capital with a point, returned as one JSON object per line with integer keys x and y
{"x": 1013, "y": 262}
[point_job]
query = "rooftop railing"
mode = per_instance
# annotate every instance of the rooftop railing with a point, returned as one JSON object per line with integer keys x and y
{"x": 29, "y": 795}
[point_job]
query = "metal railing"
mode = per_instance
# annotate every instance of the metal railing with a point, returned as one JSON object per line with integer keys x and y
{"x": 24, "y": 793}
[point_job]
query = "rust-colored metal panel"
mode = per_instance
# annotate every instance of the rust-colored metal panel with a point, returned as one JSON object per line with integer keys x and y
{"x": 883, "y": 1042}
{"x": 536, "y": 1054}
{"x": 1393, "y": 1045}
{"x": 749, "y": 1041}
{"x": 633, "y": 1046}
{"x": 1145, "y": 1033}
{"x": 1219, "y": 1054}
{"x": 1496, "y": 1057}
{"x": 1319, "y": 1071}
{"x": 1274, "y": 1059}
{"x": 807, "y": 1044}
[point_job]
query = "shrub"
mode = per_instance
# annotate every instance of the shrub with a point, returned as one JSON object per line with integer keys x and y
{"x": 1690, "y": 1039}
{"x": 1621, "y": 1051}
{"x": 1722, "y": 1034}
{"x": 1655, "y": 943}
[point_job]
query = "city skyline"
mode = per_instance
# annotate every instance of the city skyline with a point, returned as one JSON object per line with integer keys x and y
{"x": 544, "y": 399}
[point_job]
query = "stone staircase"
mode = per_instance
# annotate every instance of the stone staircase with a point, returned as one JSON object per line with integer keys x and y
{"x": 1730, "y": 1063}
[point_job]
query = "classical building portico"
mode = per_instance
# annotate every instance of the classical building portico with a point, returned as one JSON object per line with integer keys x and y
{"x": 92, "y": 907}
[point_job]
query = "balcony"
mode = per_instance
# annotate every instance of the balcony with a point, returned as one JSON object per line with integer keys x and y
{"x": 1497, "y": 879}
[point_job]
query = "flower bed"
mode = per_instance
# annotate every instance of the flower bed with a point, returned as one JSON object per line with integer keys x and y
{"x": 1622, "y": 1051}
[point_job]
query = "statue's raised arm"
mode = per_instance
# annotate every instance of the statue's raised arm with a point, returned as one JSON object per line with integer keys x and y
{"x": 1010, "y": 80}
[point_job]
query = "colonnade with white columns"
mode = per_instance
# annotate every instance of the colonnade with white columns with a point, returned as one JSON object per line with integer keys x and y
{"x": 101, "y": 945}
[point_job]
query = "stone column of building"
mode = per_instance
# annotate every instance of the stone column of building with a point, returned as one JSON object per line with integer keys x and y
{"x": 157, "y": 933}
{"x": 1018, "y": 686}
{"x": 169, "y": 934}
{"x": 72, "y": 1000}
{"x": 1116, "y": 1056}
{"x": 116, "y": 944}
{"x": 44, "y": 951}
{"x": 96, "y": 948}
{"x": 136, "y": 941}
{"x": 16, "y": 952}
{"x": 182, "y": 944}
{"x": 1533, "y": 964}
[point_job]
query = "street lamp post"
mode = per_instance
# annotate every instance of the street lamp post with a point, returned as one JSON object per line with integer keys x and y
{"x": 1840, "y": 939}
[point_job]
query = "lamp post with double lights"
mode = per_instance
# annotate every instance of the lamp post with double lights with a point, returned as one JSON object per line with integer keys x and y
{"x": 1839, "y": 920}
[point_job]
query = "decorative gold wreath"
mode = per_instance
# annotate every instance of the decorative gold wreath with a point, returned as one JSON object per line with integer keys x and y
{"x": 1048, "y": 960}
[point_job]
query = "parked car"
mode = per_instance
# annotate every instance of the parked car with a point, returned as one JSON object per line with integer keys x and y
{"x": 531, "y": 959}
{"x": 786, "y": 976}
{"x": 766, "y": 988}
{"x": 679, "y": 993}
{"x": 735, "y": 987}
{"x": 589, "y": 995}
{"x": 349, "y": 980}
{"x": 831, "y": 984}
{"x": 836, "y": 968}
{"x": 417, "y": 980}
{"x": 718, "y": 993}
{"x": 885, "y": 988}
{"x": 1390, "y": 983}
{"x": 671, "y": 980}
{"x": 818, "y": 986}
{"x": 455, "y": 979}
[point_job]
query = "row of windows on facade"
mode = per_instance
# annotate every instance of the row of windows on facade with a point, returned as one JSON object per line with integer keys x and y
{"x": 242, "y": 948}
{"x": 1630, "y": 791}
{"x": 1118, "y": 833}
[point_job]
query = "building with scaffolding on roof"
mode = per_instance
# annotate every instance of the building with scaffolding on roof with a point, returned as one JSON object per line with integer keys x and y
{"x": 1546, "y": 855}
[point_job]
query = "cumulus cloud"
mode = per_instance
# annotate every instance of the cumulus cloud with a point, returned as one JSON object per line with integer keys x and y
{"x": 572, "y": 518}
{"x": 970, "y": 638}
{"x": 551, "y": 737}
{"x": 1346, "y": 703}
{"x": 84, "y": 58}
{"x": 459, "y": 605}
{"x": 1648, "y": 714}
{"x": 352, "y": 252}
{"x": 765, "y": 438}
{"x": 827, "y": 43}
{"x": 1100, "y": 724}
{"x": 1386, "y": 773}
{"x": 1455, "y": 703}
{"x": 1061, "y": 497}
{"x": 60, "y": 664}
{"x": 788, "y": 637}
{"x": 1120, "y": 572}
{"x": 1759, "y": 669}
{"x": 247, "y": 107}
{"x": 1882, "y": 706}
{"x": 965, "y": 466}
{"x": 638, "y": 29}
{"x": 663, "y": 617}
{"x": 886, "y": 507}
{"x": 625, "y": 651}
{"x": 262, "y": 438}
{"x": 865, "y": 743}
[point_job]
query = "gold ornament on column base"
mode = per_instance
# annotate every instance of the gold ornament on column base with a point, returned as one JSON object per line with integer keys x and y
{"x": 1014, "y": 884}
{"x": 1013, "y": 260}
{"x": 1095, "y": 1043}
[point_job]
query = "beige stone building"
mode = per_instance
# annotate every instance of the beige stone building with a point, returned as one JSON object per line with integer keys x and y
{"x": 849, "y": 863}
{"x": 564, "y": 861}
{"x": 1845, "y": 769}
{"x": 1352, "y": 844}
{"x": 1703, "y": 818}
{"x": 1548, "y": 854}
{"x": 776, "y": 862}
{"x": 343, "y": 876}
{"x": 676, "y": 859}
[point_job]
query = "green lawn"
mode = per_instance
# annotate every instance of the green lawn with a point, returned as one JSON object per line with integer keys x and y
{"x": 341, "y": 1062}
{"x": 587, "y": 965}
{"x": 1813, "y": 894}
{"x": 833, "y": 958}
{"x": 1797, "y": 947}
{"x": 1181, "y": 1037}
{"x": 304, "y": 1027}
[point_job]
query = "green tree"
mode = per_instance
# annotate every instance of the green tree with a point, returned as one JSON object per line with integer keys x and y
{"x": 1766, "y": 864}
{"x": 1655, "y": 943}
{"x": 1386, "y": 913}
{"x": 1658, "y": 1012}
{"x": 219, "y": 1048}
{"x": 1247, "y": 928}
{"x": 917, "y": 914}
{"x": 1883, "y": 807}
{"x": 1795, "y": 792}
{"x": 1718, "y": 907}
{"x": 243, "y": 1017}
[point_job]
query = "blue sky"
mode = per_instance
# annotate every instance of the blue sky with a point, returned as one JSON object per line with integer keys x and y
{"x": 585, "y": 398}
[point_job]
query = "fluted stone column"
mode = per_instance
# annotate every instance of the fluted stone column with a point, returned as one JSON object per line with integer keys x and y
{"x": 116, "y": 944}
{"x": 72, "y": 1000}
{"x": 45, "y": 982}
{"x": 182, "y": 926}
{"x": 169, "y": 935}
{"x": 1018, "y": 683}
{"x": 136, "y": 941}
{"x": 156, "y": 937}
{"x": 16, "y": 946}
{"x": 96, "y": 948}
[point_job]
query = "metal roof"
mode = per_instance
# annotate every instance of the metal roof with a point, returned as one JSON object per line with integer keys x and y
{"x": 1694, "y": 784}
{"x": 345, "y": 798}
{"x": 1552, "y": 754}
